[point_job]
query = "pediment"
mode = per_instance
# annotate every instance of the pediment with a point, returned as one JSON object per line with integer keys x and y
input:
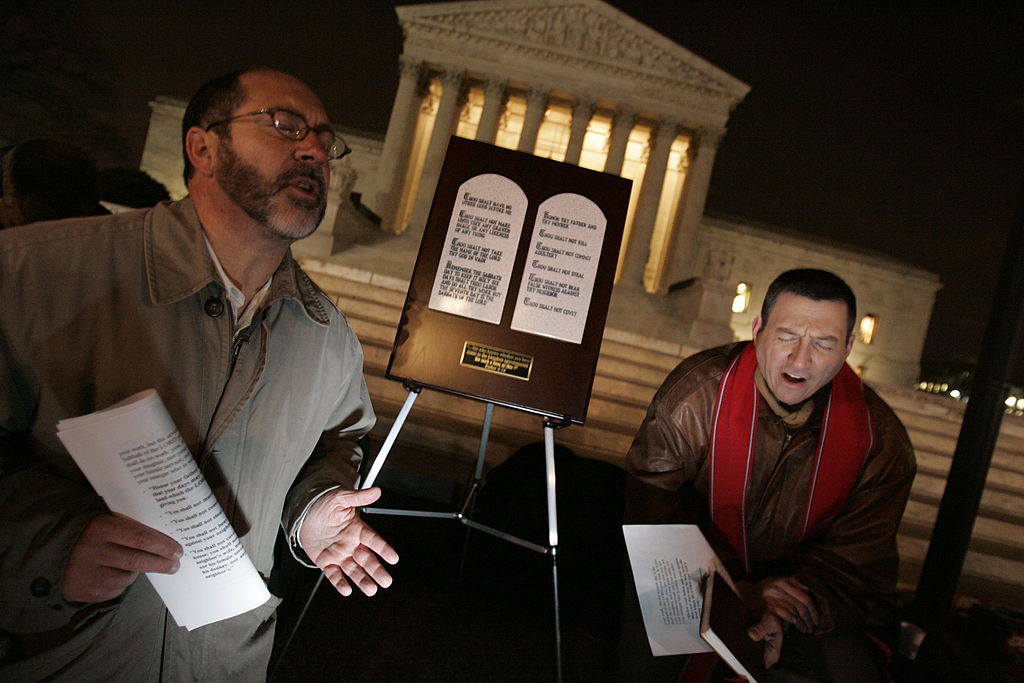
{"x": 584, "y": 34}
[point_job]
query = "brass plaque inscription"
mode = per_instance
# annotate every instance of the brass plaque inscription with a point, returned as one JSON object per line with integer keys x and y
{"x": 498, "y": 361}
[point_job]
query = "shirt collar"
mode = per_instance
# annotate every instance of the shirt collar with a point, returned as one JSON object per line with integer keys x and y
{"x": 242, "y": 310}
{"x": 791, "y": 416}
{"x": 178, "y": 263}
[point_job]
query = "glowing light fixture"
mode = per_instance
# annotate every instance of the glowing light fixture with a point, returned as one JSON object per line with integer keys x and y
{"x": 741, "y": 302}
{"x": 867, "y": 328}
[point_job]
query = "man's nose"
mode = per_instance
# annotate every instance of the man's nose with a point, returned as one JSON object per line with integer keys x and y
{"x": 801, "y": 356}
{"x": 309, "y": 149}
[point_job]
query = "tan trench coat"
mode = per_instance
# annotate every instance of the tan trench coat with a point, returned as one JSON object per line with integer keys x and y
{"x": 94, "y": 310}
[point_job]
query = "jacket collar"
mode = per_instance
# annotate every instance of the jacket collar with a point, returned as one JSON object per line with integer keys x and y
{"x": 178, "y": 264}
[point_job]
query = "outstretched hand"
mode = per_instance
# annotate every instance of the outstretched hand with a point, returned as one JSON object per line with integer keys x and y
{"x": 343, "y": 545}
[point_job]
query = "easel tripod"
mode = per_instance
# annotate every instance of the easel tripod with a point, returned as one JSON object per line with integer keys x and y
{"x": 464, "y": 514}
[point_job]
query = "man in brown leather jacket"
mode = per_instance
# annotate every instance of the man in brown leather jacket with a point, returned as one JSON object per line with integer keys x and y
{"x": 802, "y": 492}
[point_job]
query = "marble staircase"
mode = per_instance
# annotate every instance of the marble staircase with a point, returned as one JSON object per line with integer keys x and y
{"x": 438, "y": 444}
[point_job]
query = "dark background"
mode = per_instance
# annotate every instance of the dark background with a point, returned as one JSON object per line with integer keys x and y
{"x": 894, "y": 127}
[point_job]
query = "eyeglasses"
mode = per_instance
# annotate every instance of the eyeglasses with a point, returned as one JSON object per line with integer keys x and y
{"x": 294, "y": 127}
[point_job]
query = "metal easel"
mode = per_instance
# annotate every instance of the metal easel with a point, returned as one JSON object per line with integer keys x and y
{"x": 464, "y": 515}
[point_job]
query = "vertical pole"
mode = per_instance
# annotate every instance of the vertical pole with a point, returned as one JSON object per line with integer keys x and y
{"x": 485, "y": 435}
{"x": 469, "y": 505}
{"x": 385, "y": 448}
{"x": 978, "y": 433}
{"x": 549, "y": 462}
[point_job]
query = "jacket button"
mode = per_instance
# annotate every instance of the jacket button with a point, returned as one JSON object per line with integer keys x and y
{"x": 214, "y": 307}
{"x": 40, "y": 587}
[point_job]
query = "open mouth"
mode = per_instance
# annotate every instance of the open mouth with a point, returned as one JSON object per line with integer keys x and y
{"x": 793, "y": 379}
{"x": 307, "y": 186}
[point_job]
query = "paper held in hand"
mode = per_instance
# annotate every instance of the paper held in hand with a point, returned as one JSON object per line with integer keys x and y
{"x": 669, "y": 563}
{"x": 134, "y": 457}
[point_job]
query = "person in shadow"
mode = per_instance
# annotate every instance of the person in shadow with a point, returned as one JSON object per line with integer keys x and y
{"x": 46, "y": 179}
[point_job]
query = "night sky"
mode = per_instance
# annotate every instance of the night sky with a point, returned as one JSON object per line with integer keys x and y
{"x": 894, "y": 127}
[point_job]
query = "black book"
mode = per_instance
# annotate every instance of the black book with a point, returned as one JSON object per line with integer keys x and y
{"x": 724, "y": 621}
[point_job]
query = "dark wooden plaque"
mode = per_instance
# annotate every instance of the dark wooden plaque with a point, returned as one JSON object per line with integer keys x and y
{"x": 509, "y": 295}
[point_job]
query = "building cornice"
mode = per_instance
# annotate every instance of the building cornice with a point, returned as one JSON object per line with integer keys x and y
{"x": 569, "y": 39}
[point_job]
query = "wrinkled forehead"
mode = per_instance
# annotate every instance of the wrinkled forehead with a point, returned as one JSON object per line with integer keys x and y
{"x": 823, "y": 318}
{"x": 272, "y": 89}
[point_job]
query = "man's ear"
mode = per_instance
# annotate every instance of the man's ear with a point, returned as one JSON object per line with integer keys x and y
{"x": 199, "y": 150}
{"x": 849, "y": 344}
{"x": 755, "y": 327}
{"x": 12, "y": 210}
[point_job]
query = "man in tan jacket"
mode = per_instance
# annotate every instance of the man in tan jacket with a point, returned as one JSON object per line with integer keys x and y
{"x": 200, "y": 300}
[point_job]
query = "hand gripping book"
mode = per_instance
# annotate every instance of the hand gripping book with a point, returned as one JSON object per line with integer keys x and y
{"x": 724, "y": 621}
{"x": 669, "y": 563}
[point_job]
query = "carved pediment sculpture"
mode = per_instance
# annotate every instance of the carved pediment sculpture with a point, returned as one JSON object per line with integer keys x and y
{"x": 586, "y": 36}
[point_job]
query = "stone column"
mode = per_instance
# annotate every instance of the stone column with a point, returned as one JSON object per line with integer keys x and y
{"x": 161, "y": 157}
{"x": 638, "y": 250}
{"x": 695, "y": 191}
{"x": 397, "y": 141}
{"x": 536, "y": 104}
{"x": 444, "y": 124}
{"x": 622, "y": 126}
{"x": 494, "y": 100}
{"x": 581, "y": 115}
{"x": 707, "y": 317}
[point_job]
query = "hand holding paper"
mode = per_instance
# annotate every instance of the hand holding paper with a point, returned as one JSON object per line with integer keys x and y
{"x": 134, "y": 457}
{"x": 343, "y": 545}
{"x": 110, "y": 553}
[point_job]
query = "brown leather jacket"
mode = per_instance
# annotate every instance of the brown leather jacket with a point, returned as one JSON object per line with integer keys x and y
{"x": 849, "y": 565}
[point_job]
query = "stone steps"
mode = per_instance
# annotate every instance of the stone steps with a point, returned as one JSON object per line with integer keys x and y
{"x": 441, "y": 437}
{"x": 997, "y": 503}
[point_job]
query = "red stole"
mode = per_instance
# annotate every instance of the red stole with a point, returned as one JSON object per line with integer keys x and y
{"x": 846, "y": 438}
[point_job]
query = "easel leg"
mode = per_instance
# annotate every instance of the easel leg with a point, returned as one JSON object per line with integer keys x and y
{"x": 469, "y": 505}
{"x": 385, "y": 448}
{"x": 549, "y": 461}
{"x": 478, "y": 472}
{"x": 378, "y": 463}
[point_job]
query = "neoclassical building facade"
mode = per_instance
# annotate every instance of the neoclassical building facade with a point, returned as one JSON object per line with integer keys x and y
{"x": 575, "y": 81}
{"x": 580, "y": 82}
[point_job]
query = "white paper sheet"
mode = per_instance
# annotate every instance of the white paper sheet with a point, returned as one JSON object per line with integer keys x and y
{"x": 134, "y": 457}
{"x": 669, "y": 562}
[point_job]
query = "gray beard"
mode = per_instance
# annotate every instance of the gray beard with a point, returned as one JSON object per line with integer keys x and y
{"x": 242, "y": 182}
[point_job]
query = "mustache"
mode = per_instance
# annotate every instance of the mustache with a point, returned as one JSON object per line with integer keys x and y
{"x": 311, "y": 172}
